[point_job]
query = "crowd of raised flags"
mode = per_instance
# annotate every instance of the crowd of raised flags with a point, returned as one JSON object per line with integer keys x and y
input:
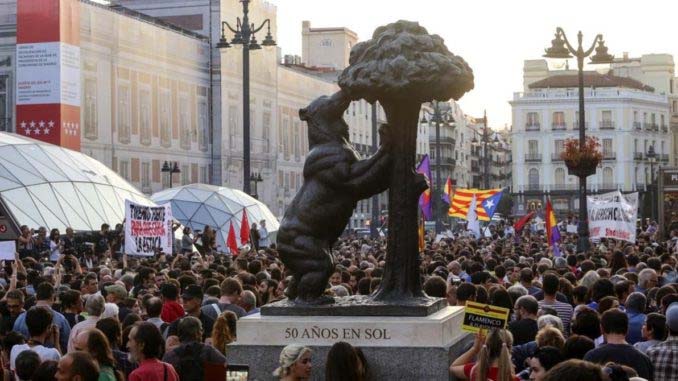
{"x": 475, "y": 205}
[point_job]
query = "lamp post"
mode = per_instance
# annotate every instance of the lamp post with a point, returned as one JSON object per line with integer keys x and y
{"x": 561, "y": 48}
{"x": 438, "y": 117}
{"x": 170, "y": 168}
{"x": 485, "y": 139}
{"x": 244, "y": 34}
{"x": 374, "y": 229}
{"x": 256, "y": 179}
{"x": 652, "y": 159}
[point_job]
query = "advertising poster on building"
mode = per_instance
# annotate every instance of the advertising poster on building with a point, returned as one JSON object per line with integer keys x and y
{"x": 147, "y": 229}
{"x": 613, "y": 215}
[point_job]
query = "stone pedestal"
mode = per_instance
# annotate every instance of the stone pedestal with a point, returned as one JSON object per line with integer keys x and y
{"x": 396, "y": 348}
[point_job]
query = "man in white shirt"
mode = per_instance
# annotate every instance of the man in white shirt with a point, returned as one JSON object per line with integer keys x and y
{"x": 263, "y": 235}
{"x": 41, "y": 330}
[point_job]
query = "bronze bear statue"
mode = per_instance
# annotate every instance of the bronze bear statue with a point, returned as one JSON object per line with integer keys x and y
{"x": 335, "y": 179}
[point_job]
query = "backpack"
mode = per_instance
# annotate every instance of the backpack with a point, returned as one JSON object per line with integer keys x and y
{"x": 190, "y": 364}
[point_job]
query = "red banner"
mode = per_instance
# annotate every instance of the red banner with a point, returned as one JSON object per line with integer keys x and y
{"x": 48, "y": 71}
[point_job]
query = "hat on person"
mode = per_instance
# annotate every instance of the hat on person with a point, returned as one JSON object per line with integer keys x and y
{"x": 192, "y": 291}
{"x": 119, "y": 291}
{"x": 672, "y": 317}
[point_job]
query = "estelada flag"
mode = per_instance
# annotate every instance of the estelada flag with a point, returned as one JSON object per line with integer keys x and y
{"x": 244, "y": 228}
{"x": 462, "y": 200}
{"x": 231, "y": 242}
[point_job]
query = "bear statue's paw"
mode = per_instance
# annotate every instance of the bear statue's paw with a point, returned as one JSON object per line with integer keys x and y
{"x": 324, "y": 299}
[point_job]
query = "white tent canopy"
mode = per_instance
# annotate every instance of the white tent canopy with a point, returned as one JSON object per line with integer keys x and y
{"x": 197, "y": 205}
{"x": 42, "y": 184}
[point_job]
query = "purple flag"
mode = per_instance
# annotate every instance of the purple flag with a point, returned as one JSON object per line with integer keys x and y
{"x": 425, "y": 199}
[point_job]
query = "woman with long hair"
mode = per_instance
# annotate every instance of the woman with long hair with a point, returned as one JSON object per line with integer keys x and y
{"x": 223, "y": 331}
{"x": 618, "y": 262}
{"x": 344, "y": 364}
{"x": 493, "y": 355}
{"x": 100, "y": 349}
{"x": 56, "y": 245}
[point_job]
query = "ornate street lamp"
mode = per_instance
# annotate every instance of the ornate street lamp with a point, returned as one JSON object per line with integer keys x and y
{"x": 561, "y": 48}
{"x": 256, "y": 179}
{"x": 438, "y": 117}
{"x": 244, "y": 34}
{"x": 170, "y": 168}
{"x": 652, "y": 160}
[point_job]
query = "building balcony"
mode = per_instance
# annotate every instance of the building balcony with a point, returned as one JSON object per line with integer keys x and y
{"x": 475, "y": 168}
{"x": 606, "y": 125}
{"x": 576, "y": 125}
{"x": 637, "y": 156}
{"x": 558, "y": 126}
{"x": 564, "y": 187}
{"x": 663, "y": 157}
{"x": 637, "y": 126}
{"x": 533, "y": 157}
{"x": 532, "y": 126}
{"x": 664, "y": 128}
{"x": 607, "y": 186}
{"x": 651, "y": 127}
{"x": 556, "y": 157}
{"x": 608, "y": 155}
{"x": 445, "y": 162}
{"x": 443, "y": 140}
{"x": 533, "y": 187}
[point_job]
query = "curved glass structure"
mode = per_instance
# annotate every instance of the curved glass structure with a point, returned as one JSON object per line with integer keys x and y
{"x": 46, "y": 185}
{"x": 197, "y": 205}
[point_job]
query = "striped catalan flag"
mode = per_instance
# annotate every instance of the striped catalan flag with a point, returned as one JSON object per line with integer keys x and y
{"x": 462, "y": 199}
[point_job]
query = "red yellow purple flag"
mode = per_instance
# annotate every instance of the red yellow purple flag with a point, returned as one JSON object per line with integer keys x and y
{"x": 447, "y": 191}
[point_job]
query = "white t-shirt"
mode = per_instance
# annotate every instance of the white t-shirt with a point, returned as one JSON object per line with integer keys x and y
{"x": 42, "y": 351}
{"x": 54, "y": 251}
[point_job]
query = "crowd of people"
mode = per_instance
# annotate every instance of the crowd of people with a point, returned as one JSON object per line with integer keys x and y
{"x": 74, "y": 307}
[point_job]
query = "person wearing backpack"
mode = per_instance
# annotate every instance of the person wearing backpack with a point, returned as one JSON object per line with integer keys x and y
{"x": 191, "y": 356}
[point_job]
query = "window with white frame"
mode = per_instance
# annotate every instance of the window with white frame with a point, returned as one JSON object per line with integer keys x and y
{"x": 90, "y": 109}
{"x": 124, "y": 113}
{"x": 124, "y": 169}
{"x": 184, "y": 123}
{"x": 145, "y": 175}
{"x": 203, "y": 125}
{"x": 145, "y": 116}
{"x": 164, "y": 118}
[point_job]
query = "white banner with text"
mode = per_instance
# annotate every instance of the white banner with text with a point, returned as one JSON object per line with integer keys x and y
{"x": 613, "y": 215}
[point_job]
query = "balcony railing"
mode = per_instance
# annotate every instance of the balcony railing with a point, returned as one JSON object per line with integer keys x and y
{"x": 637, "y": 156}
{"x": 664, "y": 157}
{"x": 655, "y": 127}
{"x": 606, "y": 125}
{"x": 558, "y": 126}
{"x": 556, "y": 157}
{"x": 443, "y": 140}
{"x": 608, "y": 155}
{"x": 576, "y": 125}
{"x": 533, "y": 187}
{"x": 533, "y": 157}
{"x": 564, "y": 187}
{"x": 665, "y": 128}
{"x": 637, "y": 126}
{"x": 532, "y": 126}
{"x": 607, "y": 186}
{"x": 475, "y": 168}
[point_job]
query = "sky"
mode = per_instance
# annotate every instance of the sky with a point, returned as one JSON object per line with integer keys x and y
{"x": 495, "y": 36}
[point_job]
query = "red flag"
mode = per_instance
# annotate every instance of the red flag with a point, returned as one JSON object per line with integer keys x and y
{"x": 230, "y": 242}
{"x": 520, "y": 224}
{"x": 244, "y": 228}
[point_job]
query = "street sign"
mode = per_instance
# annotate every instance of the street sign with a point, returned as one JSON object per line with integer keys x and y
{"x": 479, "y": 316}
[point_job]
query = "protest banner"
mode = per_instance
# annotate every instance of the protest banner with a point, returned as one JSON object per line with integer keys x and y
{"x": 479, "y": 316}
{"x": 147, "y": 229}
{"x": 7, "y": 250}
{"x": 613, "y": 215}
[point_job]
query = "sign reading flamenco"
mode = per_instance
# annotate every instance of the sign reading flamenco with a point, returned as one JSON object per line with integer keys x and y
{"x": 613, "y": 215}
{"x": 147, "y": 229}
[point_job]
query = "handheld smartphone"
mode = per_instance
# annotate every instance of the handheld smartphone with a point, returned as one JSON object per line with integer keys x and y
{"x": 237, "y": 372}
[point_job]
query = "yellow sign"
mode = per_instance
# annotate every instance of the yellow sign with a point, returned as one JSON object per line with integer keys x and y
{"x": 479, "y": 316}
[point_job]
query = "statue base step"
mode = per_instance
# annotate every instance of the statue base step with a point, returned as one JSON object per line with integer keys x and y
{"x": 396, "y": 348}
{"x": 357, "y": 305}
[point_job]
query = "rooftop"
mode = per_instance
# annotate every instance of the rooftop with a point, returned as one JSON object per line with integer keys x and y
{"x": 591, "y": 79}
